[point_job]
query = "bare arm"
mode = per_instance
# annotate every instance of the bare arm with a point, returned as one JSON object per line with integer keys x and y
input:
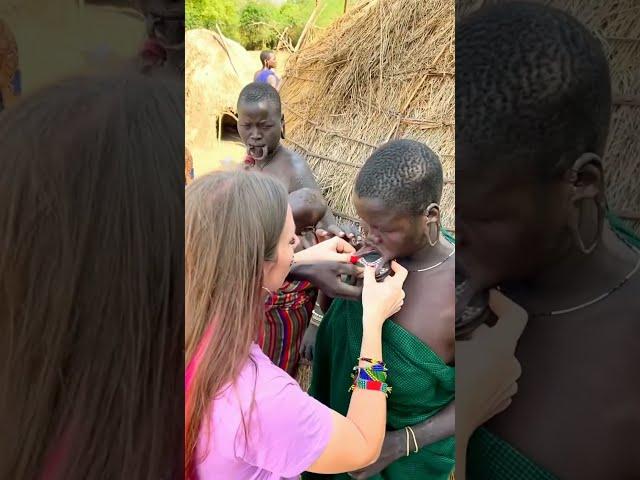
{"x": 357, "y": 438}
{"x": 442, "y": 425}
{"x": 432, "y": 430}
{"x": 303, "y": 178}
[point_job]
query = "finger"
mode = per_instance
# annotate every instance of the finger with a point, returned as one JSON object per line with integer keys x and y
{"x": 506, "y": 309}
{"x": 320, "y": 233}
{"x": 344, "y": 246}
{"x": 349, "y": 269}
{"x": 400, "y": 273}
{"x": 369, "y": 276}
{"x": 350, "y": 292}
{"x": 335, "y": 230}
{"x": 344, "y": 258}
{"x": 502, "y": 407}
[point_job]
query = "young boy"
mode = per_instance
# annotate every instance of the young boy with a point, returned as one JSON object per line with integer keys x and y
{"x": 397, "y": 192}
{"x": 532, "y": 219}
{"x": 260, "y": 125}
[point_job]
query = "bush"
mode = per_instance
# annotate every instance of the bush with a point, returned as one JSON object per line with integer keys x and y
{"x": 258, "y": 26}
{"x": 257, "y": 23}
{"x": 208, "y": 13}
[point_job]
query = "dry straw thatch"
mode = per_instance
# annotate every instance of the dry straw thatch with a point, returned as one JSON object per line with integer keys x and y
{"x": 384, "y": 70}
{"x": 617, "y": 25}
{"x": 216, "y": 69}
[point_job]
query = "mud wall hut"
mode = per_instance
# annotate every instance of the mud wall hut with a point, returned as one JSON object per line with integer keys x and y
{"x": 216, "y": 69}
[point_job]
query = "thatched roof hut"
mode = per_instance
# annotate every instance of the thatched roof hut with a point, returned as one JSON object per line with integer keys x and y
{"x": 216, "y": 69}
{"x": 384, "y": 70}
{"x": 616, "y": 24}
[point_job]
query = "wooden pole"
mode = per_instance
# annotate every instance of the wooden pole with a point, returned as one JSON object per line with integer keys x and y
{"x": 345, "y": 6}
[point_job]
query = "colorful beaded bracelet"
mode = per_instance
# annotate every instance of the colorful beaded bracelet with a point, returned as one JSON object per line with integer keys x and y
{"x": 371, "y": 385}
{"x": 367, "y": 373}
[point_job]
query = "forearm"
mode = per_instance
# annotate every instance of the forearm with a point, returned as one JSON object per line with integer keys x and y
{"x": 299, "y": 272}
{"x": 329, "y": 218}
{"x": 368, "y": 409}
{"x": 441, "y": 425}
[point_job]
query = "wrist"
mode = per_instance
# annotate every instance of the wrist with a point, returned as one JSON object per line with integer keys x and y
{"x": 372, "y": 318}
{"x": 301, "y": 258}
{"x": 399, "y": 444}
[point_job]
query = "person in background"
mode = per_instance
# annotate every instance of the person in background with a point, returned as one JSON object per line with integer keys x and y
{"x": 261, "y": 128}
{"x": 267, "y": 73}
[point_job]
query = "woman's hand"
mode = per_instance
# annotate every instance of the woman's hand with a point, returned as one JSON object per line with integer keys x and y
{"x": 381, "y": 300}
{"x": 333, "y": 250}
{"x": 487, "y": 382}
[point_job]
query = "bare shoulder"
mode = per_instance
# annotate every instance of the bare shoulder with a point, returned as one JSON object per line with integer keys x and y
{"x": 302, "y": 176}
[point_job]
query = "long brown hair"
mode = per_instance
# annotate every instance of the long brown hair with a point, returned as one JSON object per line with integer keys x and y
{"x": 91, "y": 285}
{"x": 233, "y": 221}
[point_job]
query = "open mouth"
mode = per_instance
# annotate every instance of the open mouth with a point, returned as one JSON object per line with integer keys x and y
{"x": 369, "y": 256}
{"x": 258, "y": 152}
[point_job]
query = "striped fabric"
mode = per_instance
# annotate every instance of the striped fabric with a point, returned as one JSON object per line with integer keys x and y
{"x": 286, "y": 318}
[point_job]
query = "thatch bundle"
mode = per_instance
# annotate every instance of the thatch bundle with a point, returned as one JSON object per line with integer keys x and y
{"x": 216, "y": 69}
{"x": 384, "y": 70}
{"x": 616, "y": 24}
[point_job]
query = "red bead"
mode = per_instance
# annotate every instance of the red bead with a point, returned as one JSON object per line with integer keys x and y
{"x": 354, "y": 259}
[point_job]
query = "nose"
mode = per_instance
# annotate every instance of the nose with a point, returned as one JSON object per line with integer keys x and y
{"x": 255, "y": 134}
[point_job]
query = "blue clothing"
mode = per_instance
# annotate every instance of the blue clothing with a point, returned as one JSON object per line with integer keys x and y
{"x": 263, "y": 75}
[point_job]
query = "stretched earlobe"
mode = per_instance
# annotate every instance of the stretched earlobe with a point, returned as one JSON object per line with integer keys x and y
{"x": 586, "y": 177}
{"x": 432, "y": 220}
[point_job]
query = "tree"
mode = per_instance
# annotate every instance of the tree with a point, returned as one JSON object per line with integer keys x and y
{"x": 209, "y": 13}
{"x": 258, "y": 26}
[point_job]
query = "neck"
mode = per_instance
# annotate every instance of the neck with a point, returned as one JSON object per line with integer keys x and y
{"x": 575, "y": 277}
{"x": 427, "y": 255}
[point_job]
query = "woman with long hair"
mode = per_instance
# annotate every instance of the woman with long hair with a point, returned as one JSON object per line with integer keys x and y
{"x": 91, "y": 292}
{"x": 244, "y": 417}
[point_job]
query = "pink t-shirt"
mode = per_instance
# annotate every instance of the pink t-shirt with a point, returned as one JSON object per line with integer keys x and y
{"x": 287, "y": 432}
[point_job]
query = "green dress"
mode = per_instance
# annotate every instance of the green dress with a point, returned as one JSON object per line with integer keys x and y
{"x": 422, "y": 386}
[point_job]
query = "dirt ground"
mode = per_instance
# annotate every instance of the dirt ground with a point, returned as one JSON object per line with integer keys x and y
{"x": 226, "y": 154}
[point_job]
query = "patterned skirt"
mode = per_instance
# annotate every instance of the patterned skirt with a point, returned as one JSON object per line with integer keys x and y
{"x": 287, "y": 314}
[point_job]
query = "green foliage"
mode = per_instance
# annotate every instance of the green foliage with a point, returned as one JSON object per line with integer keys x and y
{"x": 208, "y": 13}
{"x": 258, "y": 23}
